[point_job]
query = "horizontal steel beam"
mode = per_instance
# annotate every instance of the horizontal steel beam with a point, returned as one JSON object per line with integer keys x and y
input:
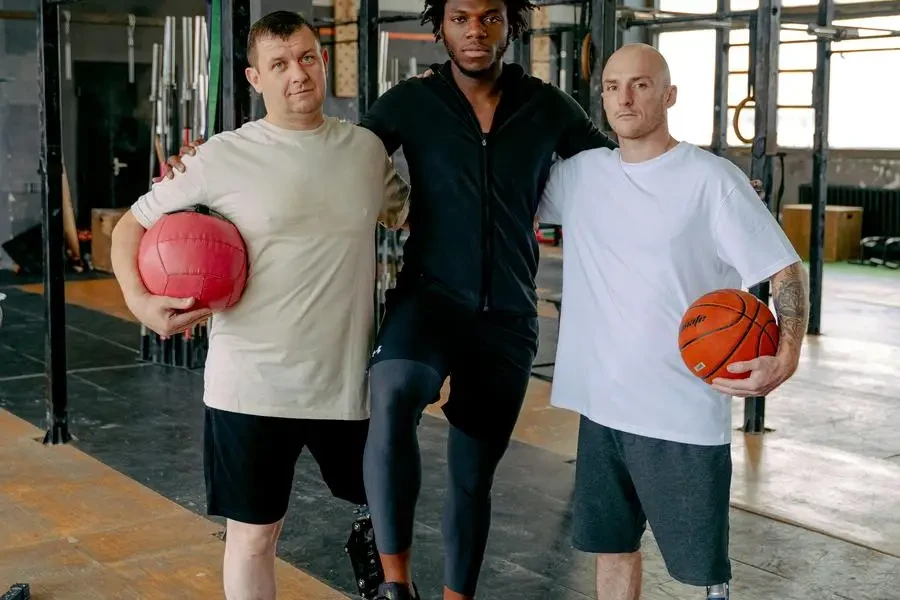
{"x": 118, "y": 20}
{"x": 667, "y": 21}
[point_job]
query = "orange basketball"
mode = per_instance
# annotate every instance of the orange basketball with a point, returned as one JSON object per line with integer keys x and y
{"x": 723, "y": 327}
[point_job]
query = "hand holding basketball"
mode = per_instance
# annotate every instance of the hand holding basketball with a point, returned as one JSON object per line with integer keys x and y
{"x": 766, "y": 374}
{"x": 730, "y": 339}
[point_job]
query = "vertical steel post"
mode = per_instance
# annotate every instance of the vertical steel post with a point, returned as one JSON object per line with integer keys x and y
{"x": 568, "y": 62}
{"x": 765, "y": 147}
{"x": 52, "y": 224}
{"x": 367, "y": 85}
{"x": 257, "y": 106}
{"x": 719, "y": 143}
{"x": 604, "y": 39}
{"x": 235, "y": 88}
{"x": 368, "y": 54}
{"x": 521, "y": 51}
{"x": 821, "y": 85}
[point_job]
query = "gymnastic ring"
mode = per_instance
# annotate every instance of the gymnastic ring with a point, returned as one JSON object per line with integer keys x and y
{"x": 737, "y": 115}
{"x": 586, "y": 66}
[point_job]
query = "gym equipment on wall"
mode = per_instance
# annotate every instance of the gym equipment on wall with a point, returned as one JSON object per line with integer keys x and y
{"x": 178, "y": 93}
{"x": 178, "y": 89}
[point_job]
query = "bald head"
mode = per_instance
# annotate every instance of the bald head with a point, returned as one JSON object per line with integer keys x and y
{"x": 637, "y": 92}
{"x": 639, "y": 58}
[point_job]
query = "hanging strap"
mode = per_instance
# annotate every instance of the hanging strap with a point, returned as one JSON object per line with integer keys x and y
{"x": 215, "y": 65}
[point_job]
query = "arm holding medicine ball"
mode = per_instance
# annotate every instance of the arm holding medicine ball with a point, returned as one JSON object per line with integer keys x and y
{"x": 164, "y": 315}
{"x": 751, "y": 239}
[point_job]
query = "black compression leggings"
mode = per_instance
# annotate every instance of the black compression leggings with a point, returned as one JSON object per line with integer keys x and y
{"x": 401, "y": 389}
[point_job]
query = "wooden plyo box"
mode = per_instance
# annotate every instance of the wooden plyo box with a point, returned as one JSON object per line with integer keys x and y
{"x": 103, "y": 221}
{"x": 843, "y": 230}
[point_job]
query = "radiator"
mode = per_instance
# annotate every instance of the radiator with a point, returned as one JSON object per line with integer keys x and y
{"x": 881, "y": 207}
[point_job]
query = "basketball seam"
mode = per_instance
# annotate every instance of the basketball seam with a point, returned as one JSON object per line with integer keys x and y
{"x": 740, "y": 341}
{"x": 724, "y": 327}
{"x": 715, "y": 305}
{"x": 712, "y": 331}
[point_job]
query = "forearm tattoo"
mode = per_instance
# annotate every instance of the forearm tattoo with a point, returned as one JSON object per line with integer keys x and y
{"x": 791, "y": 297}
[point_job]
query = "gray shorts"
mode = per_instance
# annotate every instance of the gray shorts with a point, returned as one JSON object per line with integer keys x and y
{"x": 623, "y": 481}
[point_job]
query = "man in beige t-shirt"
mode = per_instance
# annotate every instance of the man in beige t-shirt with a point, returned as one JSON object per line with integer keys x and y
{"x": 286, "y": 366}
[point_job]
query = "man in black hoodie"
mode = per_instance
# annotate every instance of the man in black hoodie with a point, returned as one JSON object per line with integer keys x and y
{"x": 479, "y": 137}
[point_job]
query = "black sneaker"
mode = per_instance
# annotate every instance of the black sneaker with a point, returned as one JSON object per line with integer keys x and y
{"x": 396, "y": 591}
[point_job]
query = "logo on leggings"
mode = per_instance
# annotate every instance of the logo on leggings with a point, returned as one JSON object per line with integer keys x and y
{"x": 376, "y": 352}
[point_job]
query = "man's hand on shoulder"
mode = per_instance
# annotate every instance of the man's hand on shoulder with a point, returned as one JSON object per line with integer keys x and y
{"x": 174, "y": 163}
{"x": 758, "y": 188}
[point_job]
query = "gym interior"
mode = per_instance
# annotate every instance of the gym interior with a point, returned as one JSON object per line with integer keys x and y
{"x": 101, "y": 421}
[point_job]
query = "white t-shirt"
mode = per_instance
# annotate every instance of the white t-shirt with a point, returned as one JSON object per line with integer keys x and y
{"x": 306, "y": 203}
{"x": 641, "y": 243}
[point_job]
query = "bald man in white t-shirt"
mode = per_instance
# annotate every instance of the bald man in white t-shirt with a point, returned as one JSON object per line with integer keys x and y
{"x": 649, "y": 228}
{"x": 286, "y": 367}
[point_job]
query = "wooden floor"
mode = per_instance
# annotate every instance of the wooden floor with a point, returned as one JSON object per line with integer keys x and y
{"x": 830, "y": 464}
{"x": 832, "y": 460}
{"x": 73, "y": 528}
{"x": 97, "y": 294}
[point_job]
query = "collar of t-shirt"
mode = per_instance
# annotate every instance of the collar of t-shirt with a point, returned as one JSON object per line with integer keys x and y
{"x": 656, "y": 162}
{"x": 293, "y": 134}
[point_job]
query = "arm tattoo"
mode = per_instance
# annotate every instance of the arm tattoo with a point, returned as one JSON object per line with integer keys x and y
{"x": 791, "y": 297}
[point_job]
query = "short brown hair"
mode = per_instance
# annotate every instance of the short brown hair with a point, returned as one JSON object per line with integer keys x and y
{"x": 280, "y": 24}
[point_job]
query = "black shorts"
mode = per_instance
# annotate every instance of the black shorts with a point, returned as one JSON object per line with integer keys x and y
{"x": 622, "y": 481}
{"x": 488, "y": 357}
{"x": 249, "y": 462}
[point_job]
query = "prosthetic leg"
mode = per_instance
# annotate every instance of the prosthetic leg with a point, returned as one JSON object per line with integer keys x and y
{"x": 364, "y": 554}
{"x": 19, "y": 591}
{"x": 718, "y": 591}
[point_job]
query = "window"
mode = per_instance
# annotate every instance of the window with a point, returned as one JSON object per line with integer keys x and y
{"x": 688, "y": 6}
{"x": 865, "y": 87}
{"x": 752, "y": 4}
{"x": 692, "y": 63}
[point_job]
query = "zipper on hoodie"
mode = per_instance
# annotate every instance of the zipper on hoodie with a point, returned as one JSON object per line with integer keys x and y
{"x": 486, "y": 216}
{"x": 487, "y": 234}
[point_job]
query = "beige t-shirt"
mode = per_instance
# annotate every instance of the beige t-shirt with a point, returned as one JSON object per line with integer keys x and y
{"x": 306, "y": 203}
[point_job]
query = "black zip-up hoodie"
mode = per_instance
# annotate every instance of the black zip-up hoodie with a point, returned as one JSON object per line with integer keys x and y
{"x": 475, "y": 195}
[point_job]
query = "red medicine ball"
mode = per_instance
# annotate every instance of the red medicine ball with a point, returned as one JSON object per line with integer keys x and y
{"x": 194, "y": 255}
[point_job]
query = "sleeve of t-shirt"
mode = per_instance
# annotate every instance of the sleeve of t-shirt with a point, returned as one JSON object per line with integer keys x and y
{"x": 749, "y": 238}
{"x": 558, "y": 192}
{"x": 183, "y": 191}
{"x": 395, "y": 208}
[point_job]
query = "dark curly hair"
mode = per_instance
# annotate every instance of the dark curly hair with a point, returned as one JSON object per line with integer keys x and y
{"x": 517, "y": 12}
